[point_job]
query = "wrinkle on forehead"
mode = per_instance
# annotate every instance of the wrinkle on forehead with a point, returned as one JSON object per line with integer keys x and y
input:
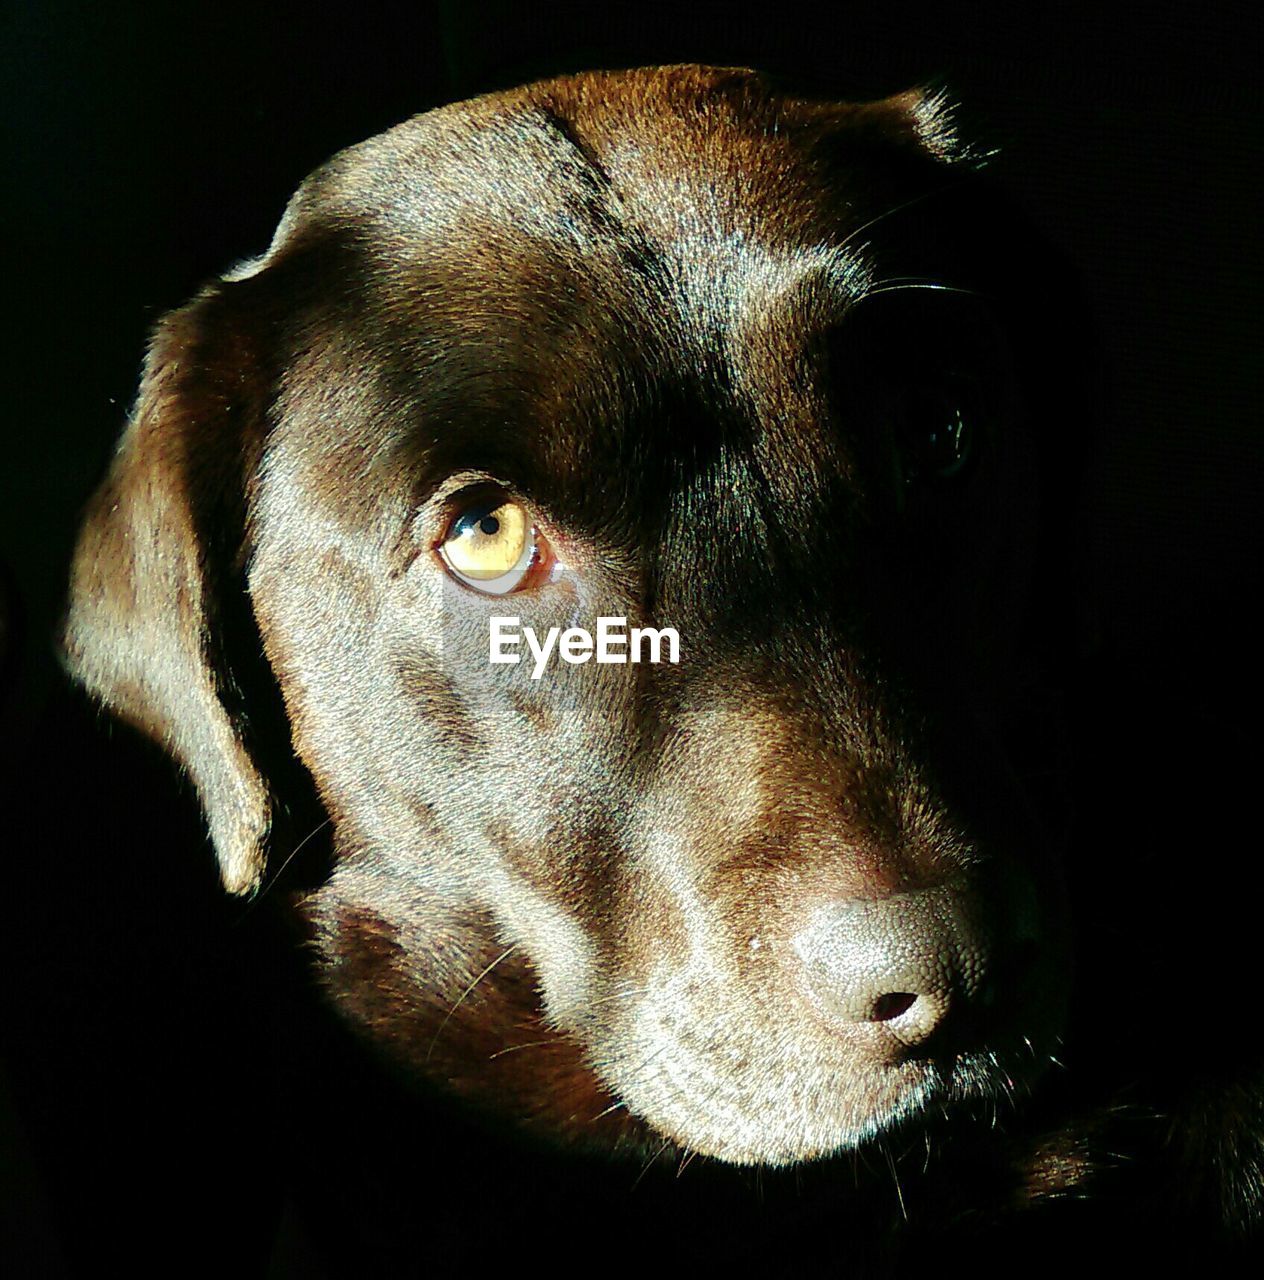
{"x": 733, "y": 205}
{"x": 537, "y": 268}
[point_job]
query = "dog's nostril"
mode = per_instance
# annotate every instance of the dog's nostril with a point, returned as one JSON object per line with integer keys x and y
{"x": 905, "y": 962}
{"x": 892, "y": 1005}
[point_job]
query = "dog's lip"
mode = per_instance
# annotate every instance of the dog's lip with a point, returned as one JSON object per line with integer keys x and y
{"x": 827, "y": 1107}
{"x": 921, "y": 1092}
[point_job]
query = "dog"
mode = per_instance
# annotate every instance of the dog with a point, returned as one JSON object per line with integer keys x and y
{"x": 678, "y": 347}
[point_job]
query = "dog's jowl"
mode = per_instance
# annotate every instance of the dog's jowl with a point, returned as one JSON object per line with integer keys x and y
{"x": 732, "y": 367}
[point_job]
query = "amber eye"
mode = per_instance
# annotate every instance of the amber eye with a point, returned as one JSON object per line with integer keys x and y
{"x": 493, "y": 546}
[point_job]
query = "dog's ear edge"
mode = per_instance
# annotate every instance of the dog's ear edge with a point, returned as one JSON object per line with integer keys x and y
{"x": 139, "y": 628}
{"x": 933, "y": 120}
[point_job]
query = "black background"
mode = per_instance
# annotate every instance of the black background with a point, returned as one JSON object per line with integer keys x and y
{"x": 147, "y": 147}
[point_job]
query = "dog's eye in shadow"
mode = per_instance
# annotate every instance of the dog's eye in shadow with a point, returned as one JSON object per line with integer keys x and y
{"x": 494, "y": 547}
{"x": 937, "y": 435}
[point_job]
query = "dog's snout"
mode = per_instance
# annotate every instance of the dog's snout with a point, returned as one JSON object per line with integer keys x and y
{"x": 905, "y": 961}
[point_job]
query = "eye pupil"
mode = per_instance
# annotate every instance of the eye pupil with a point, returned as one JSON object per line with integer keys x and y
{"x": 493, "y": 546}
{"x": 944, "y": 444}
{"x": 938, "y": 440}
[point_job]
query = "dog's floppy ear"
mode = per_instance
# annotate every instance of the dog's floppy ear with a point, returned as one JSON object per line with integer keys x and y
{"x": 161, "y": 547}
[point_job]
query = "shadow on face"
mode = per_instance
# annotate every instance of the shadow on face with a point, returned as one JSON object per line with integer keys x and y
{"x": 667, "y": 348}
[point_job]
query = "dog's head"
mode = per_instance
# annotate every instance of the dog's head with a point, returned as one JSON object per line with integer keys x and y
{"x": 670, "y": 347}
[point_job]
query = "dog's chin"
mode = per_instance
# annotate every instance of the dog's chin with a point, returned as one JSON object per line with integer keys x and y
{"x": 797, "y": 1114}
{"x": 744, "y": 1077}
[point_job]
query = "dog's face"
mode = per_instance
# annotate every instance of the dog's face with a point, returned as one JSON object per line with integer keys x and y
{"x": 663, "y": 346}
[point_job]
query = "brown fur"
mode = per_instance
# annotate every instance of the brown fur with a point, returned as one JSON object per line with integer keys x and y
{"x": 674, "y": 312}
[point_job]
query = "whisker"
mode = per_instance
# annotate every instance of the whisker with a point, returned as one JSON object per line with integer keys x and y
{"x": 298, "y": 848}
{"x": 649, "y": 1164}
{"x": 636, "y": 1075}
{"x": 909, "y": 285}
{"x": 513, "y": 1048}
{"x": 851, "y": 236}
{"x": 460, "y": 1000}
{"x": 895, "y": 1177}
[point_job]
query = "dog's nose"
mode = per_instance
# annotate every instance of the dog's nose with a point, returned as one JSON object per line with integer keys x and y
{"x": 903, "y": 961}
